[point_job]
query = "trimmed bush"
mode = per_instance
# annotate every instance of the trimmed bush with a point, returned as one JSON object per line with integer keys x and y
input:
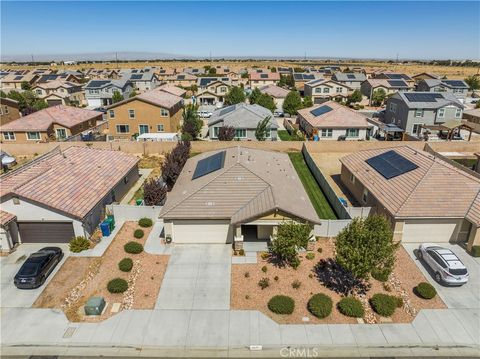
{"x": 351, "y": 307}
{"x": 425, "y": 290}
{"x": 383, "y": 304}
{"x": 264, "y": 283}
{"x": 125, "y": 265}
{"x": 133, "y": 247}
{"x": 296, "y": 284}
{"x": 145, "y": 222}
{"x": 117, "y": 285}
{"x": 78, "y": 244}
{"x": 380, "y": 274}
{"x": 281, "y": 304}
{"x": 310, "y": 255}
{"x": 138, "y": 233}
{"x": 241, "y": 252}
{"x": 475, "y": 251}
{"x": 264, "y": 269}
{"x": 320, "y": 305}
{"x": 399, "y": 302}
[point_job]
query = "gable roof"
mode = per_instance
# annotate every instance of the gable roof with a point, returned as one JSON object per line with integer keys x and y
{"x": 453, "y": 84}
{"x": 251, "y": 183}
{"x": 154, "y": 97}
{"x": 441, "y": 99}
{"x": 242, "y": 115}
{"x": 336, "y": 116}
{"x": 389, "y": 84}
{"x": 350, "y": 76}
{"x": 174, "y": 90}
{"x": 325, "y": 82}
{"x": 264, "y": 76}
{"x": 274, "y": 91}
{"x": 99, "y": 84}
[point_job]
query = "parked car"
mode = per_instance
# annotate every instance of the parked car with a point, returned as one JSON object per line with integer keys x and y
{"x": 204, "y": 114}
{"x": 448, "y": 268}
{"x": 36, "y": 269}
{"x": 278, "y": 113}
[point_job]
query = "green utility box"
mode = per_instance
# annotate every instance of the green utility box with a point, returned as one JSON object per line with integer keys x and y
{"x": 139, "y": 201}
{"x": 94, "y": 306}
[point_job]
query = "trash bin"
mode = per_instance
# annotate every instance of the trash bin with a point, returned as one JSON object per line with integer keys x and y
{"x": 110, "y": 216}
{"x": 105, "y": 228}
{"x": 110, "y": 223}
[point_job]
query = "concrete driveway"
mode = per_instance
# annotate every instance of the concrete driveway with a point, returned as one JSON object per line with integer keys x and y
{"x": 466, "y": 296}
{"x": 197, "y": 277}
{"x": 11, "y": 296}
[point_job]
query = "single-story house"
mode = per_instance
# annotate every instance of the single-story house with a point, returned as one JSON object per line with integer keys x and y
{"x": 278, "y": 94}
{"x": 235, "y": 195}
{"x": 63, "y": 194}
{"x": 425, "y": 198}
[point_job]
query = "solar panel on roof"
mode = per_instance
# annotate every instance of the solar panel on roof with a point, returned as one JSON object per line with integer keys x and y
{"x": 321, "y": 110}
{"x": 309, "y": 77}
{"x": 181, "y": 77}
{"x": 225, "y": 79}
{"x": 397, "y": 83}
{"x": 350, "y": 76}
{"x": 136, "y": 77}
{"x": 134, "y": 71}
{"x": 298, "y": 76}
{"x": 208, "y": 165}
{"x": 394, "y": 76}
{"x": 454, "y": 83}
{"x": 226, "y": 110}
{"x": 18, "y": 78}
{"x": 97, "y": 83}
{"x": 390, "y": 164}
{"x": 423, "y": 97}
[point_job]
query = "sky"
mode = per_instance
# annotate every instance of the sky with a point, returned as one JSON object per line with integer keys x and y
{"x": 360, "y": 29}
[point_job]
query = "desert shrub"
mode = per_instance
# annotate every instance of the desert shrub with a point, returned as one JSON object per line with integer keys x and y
{"x": 425, "y": 290}
{"x": 380, "y": 274}
{"x": 351, "y": 307}
{"x": 319, "y": 250}
{"x": 296, "y": 284}
{"x": 310, "y": 255}
{"x": 383, "y": 304}
{"x": 117, "y": 285}
{"x": 276, "y": 278}
{"x": 247, "y": 274}
{"x": 264, "y": 269}
{"x": 145, "y": 222}
{"x": 289, "y": 238}
{"x": 281, "y": 304}
{"x": 133, "y": 247}
{"x": 387, "y": 287}
{"x": 320, "y": 305}
{"x": 475, "y": 251}
{"x": 241, "y": 252}
{"x": 78, "y": 244}
{"x": 125, "y": 265}
{"x": 138, "y": 233}
{"x": 399, "y": 302}
{"x": 310, "y": 275}
{"x": 264, "y": 283}
{"x": 264, "y": 255}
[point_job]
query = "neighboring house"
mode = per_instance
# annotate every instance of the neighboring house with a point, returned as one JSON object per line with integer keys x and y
{"x": 50, "y": 124}
{"x": 64, "y": 77}
{"x": 174, "y": 90}
{"x": 235, "y": 195}
{"x": 330, "y": 120}
{"x": 322, "y": 90}
{"x": 62, "y": 194}
{"x": 388, "y": 75}
{"x": 14, "y": 81}
{"x": 141, "y": 80}
{"x": 103, "y": 74}
{"x": 9, "y": 110}
{"x": 472, "y": 115}
{"x": 244, "y": 119}
{"x": 194, "y": 71}
{"x": 411, "y": 110}
{"x": 99, "y": 93}
{"x": 182, "y": 79}
{"x": 278, "y": 94}
{"x": 150, "y": 112}
{"x": 458, "y": 88}
{"x": 425, "y": 76}
{"x": 425, "y": 198}
{"x": 260, "y": 79}
{"x": 300, "y": 78}
{"x": 58, "y": 92}
{"x": 351, "y": 79}
{"x": 163, "y": 74}
{"x": 285, "y": 70}
{"x": 369, "y": 86}
{"x": 212, "y": 90}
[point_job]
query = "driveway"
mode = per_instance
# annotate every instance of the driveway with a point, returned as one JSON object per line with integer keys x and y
{"x": 11, "y": 296}
{"x": 197, "y": 277}
{"x": 466, "y": 296}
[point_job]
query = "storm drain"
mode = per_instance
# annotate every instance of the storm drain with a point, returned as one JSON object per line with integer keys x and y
{"x": 69, "y": 332}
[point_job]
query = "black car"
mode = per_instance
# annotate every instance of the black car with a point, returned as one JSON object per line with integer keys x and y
{"x": 37, "y": 268}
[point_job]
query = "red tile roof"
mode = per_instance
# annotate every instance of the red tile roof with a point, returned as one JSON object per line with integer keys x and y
{"x": 271, "y": 76}
{"x": 339, "y": 117}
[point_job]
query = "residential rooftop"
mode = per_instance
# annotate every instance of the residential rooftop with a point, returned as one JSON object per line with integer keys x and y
{"x": 331, "y": 114}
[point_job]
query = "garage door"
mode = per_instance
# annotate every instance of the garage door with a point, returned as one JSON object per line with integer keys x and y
{"x": 201, "y": 232}
{"x": 319, "y": 100}
{"x": 54, "y": 102}
{"x": 46, "y": 232}
{"x": 429, "y": 231}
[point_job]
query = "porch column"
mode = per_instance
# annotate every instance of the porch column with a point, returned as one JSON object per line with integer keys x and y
{"x": 474, "y": 238}
{"x": 238, "y": 238}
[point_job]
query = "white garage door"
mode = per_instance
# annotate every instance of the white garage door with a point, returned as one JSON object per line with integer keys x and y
{"x": 201, "y": 232}
{"x": 429, "y": 231}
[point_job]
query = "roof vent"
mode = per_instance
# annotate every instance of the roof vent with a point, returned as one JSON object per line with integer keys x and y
{"x": 210, "y": 203}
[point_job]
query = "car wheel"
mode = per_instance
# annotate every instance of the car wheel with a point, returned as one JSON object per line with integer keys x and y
{"x": 438, "y": 277}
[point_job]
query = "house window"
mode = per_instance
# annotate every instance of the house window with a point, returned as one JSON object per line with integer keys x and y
{"x": 223, "y": 89}
{"x": 458, "y": 113}
{"x": 164, "y": 112}
{"x": 215, "y": 132}
{"x": 417, "y": 128}
{"x": 339, "y": 89}
{"x": 327, "y": 132}
{"x": 352, "y": 132}
{"x": 419, "y": 112}
{"x": 9, "y": 136}
{"x": 441, "y": 113}
{"x": 123, "y": 128}
{"x": 318, "y": 90}
{"x": 241, "y": 133}
{"x": 38, "y": 92}
{"x": 393, "y": 107}
{"x": 131, "y": 114}
{"x": 326, "y": 90}
{"x": 160, "y": 128}
{"x": 111, "y": 113}
{"x": 352, "y": 178}
{"x": 61, "y": 133}
{"x": 6, "y": 110}
{"x": 143, "y": 129}
{"x": 33, "y": 135}
{"x": 365, "y": 195}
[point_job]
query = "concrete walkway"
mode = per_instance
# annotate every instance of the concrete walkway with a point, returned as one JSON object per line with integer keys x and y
{"x": 153, "y": 244}
{"x": 144, "y": 173}
{"x": 102, "y": 246}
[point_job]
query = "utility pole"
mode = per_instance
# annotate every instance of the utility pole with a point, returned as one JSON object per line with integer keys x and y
{"x": 33, "y": 59}
{"x": 116, "y": 57}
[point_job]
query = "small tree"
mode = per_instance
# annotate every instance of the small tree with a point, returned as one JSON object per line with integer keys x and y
{"x": 226, "y": 133}
{"x": 378, "y": 97}
{"x": 307, "y": 102}
{"x": 289, "y": 239}
{"x": 192, "y": 124}
{"x": 194, "y": 88}
{"x": 25, "y": 85}
{"x": 473, "y": 82}
{"x": 212, "y": 71}
{"x": 356, "y": 96}
{"x": 266, "y": 101}
{"x": 117, "y": 97}
{"x": 292, "y": 103}
{"x": 154, "y": 192}
{"x": 254, "y": 96}
{"x": 133, "y": 94}
{"x": 174, "y": 162}
{"x": 286, "y": 80}
{"x": 234, "y": 96}
{"x": 262, "y": 128}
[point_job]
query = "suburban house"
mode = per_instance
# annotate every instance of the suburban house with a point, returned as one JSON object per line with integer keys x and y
{"x": 50, "y": 124}
{"x": 212, "y": 90}
{"x": 64, "y": 77}
{"x": 182, "y": 79}
{"x": 425, "y": 198}
{"x": 350, "y": 79}
{"x": 278, "y": 94}
{"x": 58, "y": 92}
{"x": 388, "y": 75}
{"x": 260, "y": 79}
{"x": 194, "y": 71}
{"x": 162, "y": 73}
{"x": 458, "y": 88}
{"x": 141, "y": 80}
{"x": 9, "y": 110}
{"x": 425, "y": 76}
{"x": 14, "y": 81}
{"x": 102, "y": 74}
{"x": 150, "y": 112}
{"x": 300, "y": 78}
{"x": 62, "y": 194}
{"x": 331, "y": 121}
{"x": 411, "y": 111}
{"x": 244, "y": 119}
{"x": 322, "y": 90}
{"x": 368, "y": 87}
{"x": 174, "y": 90}
{"x": 235, "y": 195}
{"x": 99, "y": 93}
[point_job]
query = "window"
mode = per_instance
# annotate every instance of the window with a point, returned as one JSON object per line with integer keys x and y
{"x": 9, "y": 136}
{"x": 352, "y": 178}
{"x": 241, "y": 133}
{"x": 123, "y": 128}
{"x": 223, "y": 89}
{"x": 441, "y": 113}
{"x": 215, "y": 132}
{"x": 38, "y": 92}
{"x": 417, "y": 129}
{"x": 164, "y": 112}
{"x": 419, "y": 112}
{"x": 61, "y": 133}
{"x": 327, "y": 132}
{"x": 160, "y": 128}
{"x": 268, "y": 133}
{"x": 6, "y": 110}
{"x": 143, "y": 129}
{"x": 365, "y": 195}
{"x": 458, "y": 113}
{"x": 111, "y": 113}
{"x": 339, "y": 89}
{"x": 33, "y": 135}
{"x": 393, "y": 107}
{"x": 131, "y": 114}
{"x": 318, "y": 90}
{"x": 352, "y": 132}
{"x": 326, "y": 90}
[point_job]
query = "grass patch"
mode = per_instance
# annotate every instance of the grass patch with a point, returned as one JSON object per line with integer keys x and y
{"x": 317, "y": 198}
{"x": 284, "y": 135}
{"x": 193, "y": 154}
{"x": 467, "y": 162}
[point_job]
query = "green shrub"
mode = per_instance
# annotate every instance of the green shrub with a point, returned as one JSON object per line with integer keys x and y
{"x": 425, "y": 290}
{"x": 383, "y": 304}
{"x": 296, "y": 284}
{"x": 319, "y": 250}
{"x": 125, "y": 265}
{"x": 351, "y": 307}
{"x": 133, "y": 247}
{"x": 281, "y": 304}
{"x": 276, "y": 278}
{"x": 310, "y": 255}
{"x": 78, "y": 244}
{"x": 264, "y": 269}
{"x": 117, "y": 285}
{"x": 241, "y": 252}
{"x": 138, "y": 233}
{"x": 145, "y": 222}
{"x": 264, "y": 283}
{"x": 247, "y": 274}
{"x": 381, "y": 274}
{"x": 320, "y": 305}
{"x": 475, "y": 251}
{"x": 399, "y": 302}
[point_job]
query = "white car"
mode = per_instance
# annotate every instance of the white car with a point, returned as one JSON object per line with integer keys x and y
{"x": 448, "y": 268}
{"x": 204, "y": 114}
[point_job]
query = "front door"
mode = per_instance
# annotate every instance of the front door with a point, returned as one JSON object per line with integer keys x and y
{"x": 143, "y": 129}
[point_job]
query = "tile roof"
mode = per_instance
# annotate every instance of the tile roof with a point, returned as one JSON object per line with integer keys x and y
{"x": 338, "y": 116}
{"x": 6, "y": 217}
{"x": 174, "y": 90}
{"x": 389, "y": 84}
{"x": 242, "y": 115}
{"x": 66, "y": 116}
{"x": 435, "y": 189}
{"x": 72, "y": 181}
{"x": 265, "y": 76}
{"x": 251, "y": 183}
{"x": 274, "y": 91}
{"x": 155, "y": 97}
{"x": 343, "y": 76}
{"x": 54, "y": 84}
{"x": 457, "y": 84}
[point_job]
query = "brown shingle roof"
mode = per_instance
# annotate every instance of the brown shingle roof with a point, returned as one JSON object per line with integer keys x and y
{"x": 339, "y": 116}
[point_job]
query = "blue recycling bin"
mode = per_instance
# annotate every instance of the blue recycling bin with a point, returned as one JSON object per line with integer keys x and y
{"x": 105, "y": 228}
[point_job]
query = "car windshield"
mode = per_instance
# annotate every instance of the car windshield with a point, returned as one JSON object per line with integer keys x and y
{"x": 458, "y": 271}
{"x": 29, "y": 269}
